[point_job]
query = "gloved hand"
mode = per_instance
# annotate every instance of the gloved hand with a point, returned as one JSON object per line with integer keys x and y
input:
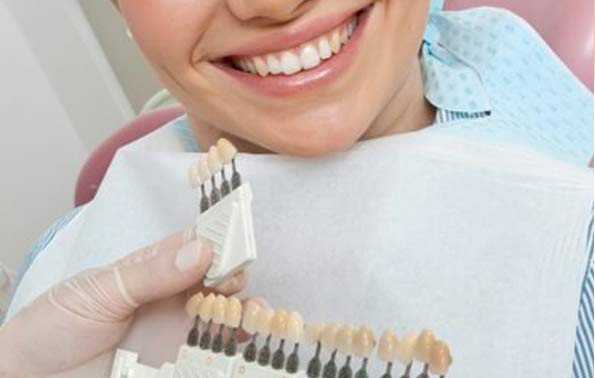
{"x": 88, "y": 314}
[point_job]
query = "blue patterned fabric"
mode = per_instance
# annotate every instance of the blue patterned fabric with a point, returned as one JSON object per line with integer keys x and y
{"x": 488, "y": 63}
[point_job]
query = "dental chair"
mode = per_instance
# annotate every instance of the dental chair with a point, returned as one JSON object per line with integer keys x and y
{"x": 566, "y": 25}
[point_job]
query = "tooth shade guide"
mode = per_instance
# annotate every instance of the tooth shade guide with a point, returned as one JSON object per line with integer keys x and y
{"x": 227, "y": 151}
{"x": 440, "y": 358}
{"x": 264, "y": 322}
{"x": 295, "y": 328}
{"x": 279, "y": 324}
{"x": 219, "y": 307}
{"x": 423, "y": 346}
{"x": 345, "y": 338}
{"x": 233, "y": 313}
{"x": 405, "y": 351}
{"x": 313, "y": 332}
{"x": 250, "y": 319}
{"x": 328, "y": 337}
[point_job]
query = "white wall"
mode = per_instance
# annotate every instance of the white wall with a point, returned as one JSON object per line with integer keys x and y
{"x": 133, "y": 72}
{"x": 58, "y": 100}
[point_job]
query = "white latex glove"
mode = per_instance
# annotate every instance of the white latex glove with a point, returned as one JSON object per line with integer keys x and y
{"x": 90, "y": 313}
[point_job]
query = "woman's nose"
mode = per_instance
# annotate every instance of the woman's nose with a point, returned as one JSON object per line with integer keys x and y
{"x": 272, "y": 10}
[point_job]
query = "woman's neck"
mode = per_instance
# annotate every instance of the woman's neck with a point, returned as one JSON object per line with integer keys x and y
{"x": 408, "y": 110}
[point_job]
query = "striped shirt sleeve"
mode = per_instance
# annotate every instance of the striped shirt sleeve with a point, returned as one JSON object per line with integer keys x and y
{"x": 583, "y": 347}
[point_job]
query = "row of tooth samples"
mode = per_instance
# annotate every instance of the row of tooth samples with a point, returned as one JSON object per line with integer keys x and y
{"x": 219, "y": 311}
{"x": 279, "y": 325}
{"x": 206, "y": 169}
{"x": 345, "y": 339}
{"x": 432, "y": 353}
{"x": 274, "y": 329}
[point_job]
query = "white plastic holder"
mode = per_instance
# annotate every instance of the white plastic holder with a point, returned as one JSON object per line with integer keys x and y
{"x": 193, "y": 362}
{"x": 229, "y": 226}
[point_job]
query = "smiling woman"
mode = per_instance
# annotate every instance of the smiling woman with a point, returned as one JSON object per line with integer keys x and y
{"x": 235, "y": 65}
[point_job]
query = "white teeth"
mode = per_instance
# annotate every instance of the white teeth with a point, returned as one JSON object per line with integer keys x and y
{"x": 336, "y": 42}
{"x": 344, "y": 36}
{"x": 351, "y": 27}
{"x": 324, "y": 48}
{"x": 309, "y": 57}
{"x": 261, "y": 67}
{"x": 290, "y": 63}
{"x": 274, "y": 65}
{"x": 306, "y": 57}
{"x": 250, "y": 67}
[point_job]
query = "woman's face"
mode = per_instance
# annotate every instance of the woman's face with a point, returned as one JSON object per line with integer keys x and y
{"x": 303, "y": 77}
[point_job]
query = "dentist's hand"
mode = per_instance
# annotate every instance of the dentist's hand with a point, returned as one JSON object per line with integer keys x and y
{"x": 90, "y": 313}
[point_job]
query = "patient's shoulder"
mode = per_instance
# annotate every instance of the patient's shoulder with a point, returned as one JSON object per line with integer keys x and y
{"x": 528, "y": 85}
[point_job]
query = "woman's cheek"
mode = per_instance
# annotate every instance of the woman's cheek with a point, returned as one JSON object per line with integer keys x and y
{"x": 168, "y": 31}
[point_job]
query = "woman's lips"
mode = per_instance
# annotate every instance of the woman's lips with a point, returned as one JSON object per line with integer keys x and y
{"x": 309, "y": 66}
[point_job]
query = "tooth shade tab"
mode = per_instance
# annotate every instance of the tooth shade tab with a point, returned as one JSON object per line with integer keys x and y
{"x": 206, "y": 308}
{"x": 345, "y": 338}
{"x": 328, "y": 337}
{"x": 364, "y": 342}
{"x": 313, "y": 332}
{"x": 227, "y": 151}
{"x": 295, "y": 328}
{"x": 204, "y": 172}
{"x": 387, "y": 346}
{"x": 233, "y": 313}
{"x": 214, "y": 160}
{"x": 406, "y": 348}
{"x": 264, "y": 323}
{"x": 193, "y": 305}
{"x": 440, "y": 358}
{"x": 251, "y": 316}
{"x": 425, "y": 341}
{"x": 193, "y": 176}
{"x": 219, "y": 307}
{"x": 279, "y": 324}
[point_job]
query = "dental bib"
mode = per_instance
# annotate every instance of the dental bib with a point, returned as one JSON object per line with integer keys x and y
{"x": 486, "y": 244}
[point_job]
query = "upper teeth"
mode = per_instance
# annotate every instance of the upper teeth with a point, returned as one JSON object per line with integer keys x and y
{"x": 308, "y": 56}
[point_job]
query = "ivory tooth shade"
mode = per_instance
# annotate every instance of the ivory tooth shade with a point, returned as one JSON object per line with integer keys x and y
{"x": 219, "y": 307}
{"x": 364, "y": 342}
{"x": 313, "y": 332}
{"x": 233, "y": 312}
{"x": 251, "y": 316}
{"x": 345, "y": 338}
{"x": 295, "y": 328}
{"x": 424, "y": 344}
{"x": 406, "y": 348}
{"x": 214, "y": 160}
{"x": 279, "y": 324}
{"x": 193, "y": 304}
{"x": 264, "y": 322}
{"x": 227, "y": 151}
{"x": 206, "y": 308}
{"x": 387, "y": 346}
{"x": 328, "y": 338}
{"x": 440, "y": 359}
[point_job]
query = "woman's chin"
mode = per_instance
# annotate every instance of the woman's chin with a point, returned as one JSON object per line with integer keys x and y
{"x": 317, "y": 144}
